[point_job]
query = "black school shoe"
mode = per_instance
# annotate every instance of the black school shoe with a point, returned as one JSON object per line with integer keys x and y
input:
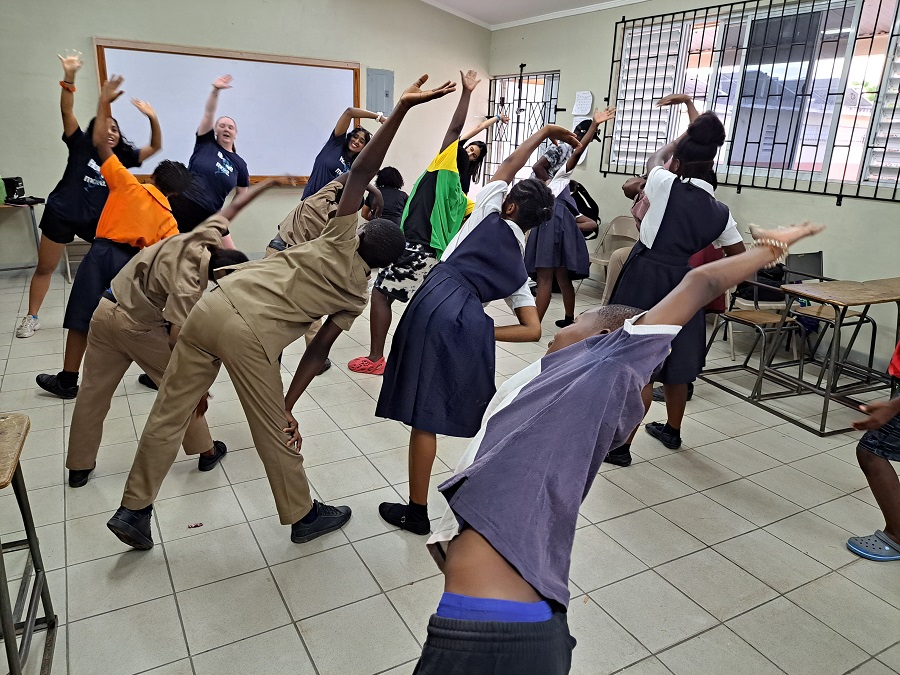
{"x": 620, "y": 456}
{"x": 209, "y": 463}
{"x": 79, "y": 477}
{"x": 660, "y": 397}
{"x": 147, "y": 381}
{"x": 133, "y": 527}
{"x": 400, "y": 516}
{"x": 329, "y": 519}
{"x": 51, "y": 383}
{"x": 658, "y": 431}
{"x": 325, "y": 366}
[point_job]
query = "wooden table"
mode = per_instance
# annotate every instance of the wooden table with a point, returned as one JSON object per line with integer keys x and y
{"x": 35, "y": 230}
{"x": 840, "y": 296}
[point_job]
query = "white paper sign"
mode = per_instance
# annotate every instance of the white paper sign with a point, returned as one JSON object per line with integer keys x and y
{"x": 583, "y": 102}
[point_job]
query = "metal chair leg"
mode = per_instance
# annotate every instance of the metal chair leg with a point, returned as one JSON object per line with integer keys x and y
{"x": 8, "y": 624}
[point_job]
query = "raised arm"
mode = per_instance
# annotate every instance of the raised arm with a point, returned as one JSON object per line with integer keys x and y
{"x": 664, "y": 154}
{"x": 71, "y": 64}
{"x": 599, "y": 118}
{"x": 511, "y": 165}
{"x": 212, "y": 104}
{"x": 469, "y": 82}
{"x": 541, "y": 169}
{"x": 371, "y": 157}
{"x": 109, "y": 92}
{"x": 347, "y": 117}
{"x": 155, "y": 144}
{"x": 243, "y": 198}
{"x": 481, "y": 126}
{"x": 707, "y": 282}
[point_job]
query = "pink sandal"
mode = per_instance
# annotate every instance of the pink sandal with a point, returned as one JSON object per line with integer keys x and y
{"x": 364, "y": 364}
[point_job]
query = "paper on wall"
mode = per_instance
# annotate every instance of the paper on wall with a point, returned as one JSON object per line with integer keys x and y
{"x": 583, "y": 102}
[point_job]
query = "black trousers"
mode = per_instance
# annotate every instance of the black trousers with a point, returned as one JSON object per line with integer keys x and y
{"x": 457, "y": 647}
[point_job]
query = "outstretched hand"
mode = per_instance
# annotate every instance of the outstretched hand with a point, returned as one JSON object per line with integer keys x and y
{"x": 787, "y": 235}
{"x": 223, "y": 82}
{"x": 71, "y": 62}
{"x": 504, "y": 118}
{"x": 110, "y": 91}
{"x": 880, "y": 413}
{"x": 469, "y": 80}
{"x": 144, "y": 107}
{"x": 415, "y": 95}
{"x": 673, "y": 99}
{"x": 559, "y": 134}
{"x": 601, "y": 116}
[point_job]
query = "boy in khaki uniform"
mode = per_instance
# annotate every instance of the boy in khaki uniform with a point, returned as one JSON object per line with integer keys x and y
{"x": 254, "y": 314}
{"x": 138, "y": 320}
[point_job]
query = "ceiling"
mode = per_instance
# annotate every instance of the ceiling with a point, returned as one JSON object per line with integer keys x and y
{"x": 497, "y": 14}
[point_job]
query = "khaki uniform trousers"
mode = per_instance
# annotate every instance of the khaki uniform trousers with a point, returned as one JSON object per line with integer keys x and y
{"x": 215, "y": 335}
{"x": 613, "y": 270}
{"x": 115, "y": 340}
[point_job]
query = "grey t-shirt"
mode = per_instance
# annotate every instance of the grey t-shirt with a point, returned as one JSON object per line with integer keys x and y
{"x": 534, "y": 460}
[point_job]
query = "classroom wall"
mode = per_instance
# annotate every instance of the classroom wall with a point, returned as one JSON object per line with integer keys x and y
{"x": 406, "y": 36}
{"x": 863, "y": 236}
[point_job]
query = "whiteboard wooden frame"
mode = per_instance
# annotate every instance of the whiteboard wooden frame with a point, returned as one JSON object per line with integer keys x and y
{"x": 101, "y": 44}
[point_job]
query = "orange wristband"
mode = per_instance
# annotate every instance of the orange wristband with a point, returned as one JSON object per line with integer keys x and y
{"x": 68, "y": 87}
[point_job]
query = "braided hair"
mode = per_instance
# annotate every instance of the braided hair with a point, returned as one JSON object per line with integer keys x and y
{"x": 172, "y": 178}
{"x": 534, "y": 201}
{"x": 696, "y": 152}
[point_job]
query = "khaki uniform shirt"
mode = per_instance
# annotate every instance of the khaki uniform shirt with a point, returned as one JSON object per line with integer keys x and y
{"x": 280, "y": 296}
{"x": 163, "y": 282}
{"x": 307, "y": 221}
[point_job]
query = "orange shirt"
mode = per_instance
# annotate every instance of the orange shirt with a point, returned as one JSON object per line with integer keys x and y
{"x": 135, "y": 214}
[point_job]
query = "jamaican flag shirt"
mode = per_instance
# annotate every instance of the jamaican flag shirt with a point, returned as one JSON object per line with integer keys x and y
{"x": 437, "y": 203}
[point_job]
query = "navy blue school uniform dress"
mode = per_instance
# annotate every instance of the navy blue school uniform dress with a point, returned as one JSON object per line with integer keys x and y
{"x": 684, "y": 218}
{"x": 440, "y": 371}
{"x": 559, "y": 242}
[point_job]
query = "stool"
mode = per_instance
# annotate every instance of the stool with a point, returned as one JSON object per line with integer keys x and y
{"x": 13, "y": 431}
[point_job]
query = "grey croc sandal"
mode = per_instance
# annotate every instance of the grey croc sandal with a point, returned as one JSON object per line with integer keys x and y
{"x": 876, "y": 546}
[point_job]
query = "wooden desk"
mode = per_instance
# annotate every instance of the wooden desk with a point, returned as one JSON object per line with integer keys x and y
{"x": 35, "y": 230}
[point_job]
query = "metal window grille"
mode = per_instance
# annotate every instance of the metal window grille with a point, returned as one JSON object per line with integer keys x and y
{"x": 807, "y": 91}
{"x": 530, "y": 101}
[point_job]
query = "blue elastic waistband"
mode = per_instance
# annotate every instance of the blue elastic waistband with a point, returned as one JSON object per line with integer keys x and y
{"x": 453, "y": 606}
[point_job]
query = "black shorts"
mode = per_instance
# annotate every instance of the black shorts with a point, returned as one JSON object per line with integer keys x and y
{"x": 95, "y": 273}
{"x": 188, "y": 213}
{"x": 457, "y": 647}
{"x": 884, "y": 442}
{"x": 63, "y": 231}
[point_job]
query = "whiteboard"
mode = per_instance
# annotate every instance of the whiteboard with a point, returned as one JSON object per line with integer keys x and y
{"x": 284, "y": 112}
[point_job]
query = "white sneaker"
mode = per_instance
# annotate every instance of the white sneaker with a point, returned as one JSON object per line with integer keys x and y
{"x": 28, "y": 326}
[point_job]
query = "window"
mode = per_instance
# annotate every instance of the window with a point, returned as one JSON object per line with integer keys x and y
{"x": 807, "y": 92}
{"x": 530, "y": 101}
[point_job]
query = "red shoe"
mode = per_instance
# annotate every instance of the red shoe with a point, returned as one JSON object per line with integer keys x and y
{"x": 364, "y": 364}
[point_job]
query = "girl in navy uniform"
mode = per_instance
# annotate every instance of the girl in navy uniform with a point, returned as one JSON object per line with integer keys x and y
{"x": 440, "y": 373}
{"x": 683, "y": 218}
{"x": 74, "y": 206}
{"x": 216, "y": 168}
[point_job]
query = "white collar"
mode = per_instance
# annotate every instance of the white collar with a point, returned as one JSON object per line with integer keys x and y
{"x": 517, "y": 232}
{"x": 700, "y": 183}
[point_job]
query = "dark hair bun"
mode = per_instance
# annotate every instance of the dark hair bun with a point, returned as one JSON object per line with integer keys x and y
{"x": 707, "y": 129}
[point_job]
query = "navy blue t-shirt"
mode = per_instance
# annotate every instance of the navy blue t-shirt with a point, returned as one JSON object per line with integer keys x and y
{"x": 329, "y": 164}
{"x": 81, "y": 192}
{"x": 394, "y": 203}
{"x": 215, "y": 172}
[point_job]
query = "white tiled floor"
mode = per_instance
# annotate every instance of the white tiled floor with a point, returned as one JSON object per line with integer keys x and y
{"x": 724, "y": 557}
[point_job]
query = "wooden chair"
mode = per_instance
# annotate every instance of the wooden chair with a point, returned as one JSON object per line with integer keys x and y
{"x": 618, "y": 233}
{"x": 13, "y": 432}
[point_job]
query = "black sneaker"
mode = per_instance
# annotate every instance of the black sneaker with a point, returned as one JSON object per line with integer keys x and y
{"x": 670, "y": 440}
{"x": 209, "y": 463}
{"x": 79, "y": 477}
{"x": 132, "y": 527}
{"x": 619, "y": 456}
{"x": 147, "y": 381}
{"x": 398, "y": 515}
{"x": 325, "y": 367}
{"x": 660, "y": 397}
{"x": 51, "y": 383}
{"x": 562, "y": 323}
{"x": 329, "y": 519}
